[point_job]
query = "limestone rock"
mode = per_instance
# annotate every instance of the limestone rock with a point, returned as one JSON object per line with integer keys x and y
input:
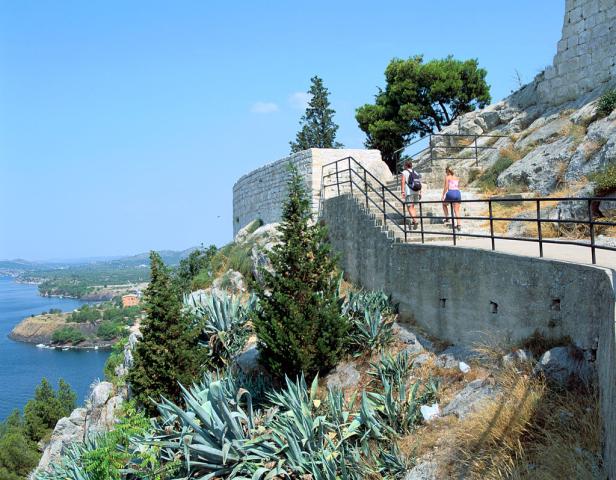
{"x": 345, "y": 375}
{"x": 98, "y": 415}
{"x": 585, "y": 115}
{"x": 248, "y": 360}
{"x": 425, "y": 469}
{"x": 539, "y": 169}
{"x": 245, "y": 232}
{"x": 230, "y": 281}
{"x": 415, "y": 343}
{"x": 422, "y": 359}
{"x": 565, "y": 366}
{"x": 471, "y": 398}
{"x": 547, "y": 133}
{"x": 517, "y": 356}
{"x": 460, "y": 353}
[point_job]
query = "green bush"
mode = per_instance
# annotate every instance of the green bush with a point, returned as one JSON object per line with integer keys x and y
{"x": 473, "y": 174}
{"x": 67, "y": 335}
{"x": 487, "y": 180}
{"x": 110, "y": 330}
{"x": 115, "y": 359}
{"x": 85, "y": 314}
{"x": 607, "y": 103}
{"x": 299, "y": 321}
{"x": 605, "y": 180}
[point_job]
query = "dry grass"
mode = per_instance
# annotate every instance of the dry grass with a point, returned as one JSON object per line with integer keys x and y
{"x": 529, "y": 432}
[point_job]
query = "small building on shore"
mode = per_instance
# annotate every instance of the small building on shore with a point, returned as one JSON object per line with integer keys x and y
{"x": 130, "y": 300}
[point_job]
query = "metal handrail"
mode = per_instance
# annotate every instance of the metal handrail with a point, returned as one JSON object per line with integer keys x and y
{"x": 432, "y": 148}
{"x": 385, "y": 196}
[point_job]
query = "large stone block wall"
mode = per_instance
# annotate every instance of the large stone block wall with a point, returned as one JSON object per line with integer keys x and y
{"x": 261, "y": 193}
{"x": 586, "y": 57}
{"x": 469, "y": 296}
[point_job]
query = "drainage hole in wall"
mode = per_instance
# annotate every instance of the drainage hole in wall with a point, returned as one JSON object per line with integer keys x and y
{"x": 443, "y": 301}
{"x": 556, "y": 304}
{"x": 494, "y": 307}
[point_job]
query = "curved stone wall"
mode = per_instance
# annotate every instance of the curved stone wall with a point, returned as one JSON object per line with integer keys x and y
{"x": 261, "y": 193}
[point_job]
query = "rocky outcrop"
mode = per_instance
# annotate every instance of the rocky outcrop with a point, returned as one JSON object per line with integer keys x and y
{"x": 567, "y": 366}
{"x": 98, "y": 415}
{"x": 471, "y": 398}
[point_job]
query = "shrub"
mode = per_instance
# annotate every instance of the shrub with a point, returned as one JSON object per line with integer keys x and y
{"x": 605, "y": 180}
{"x": 487, "y": 180}
{"x": 222, "y": 319}
{"x": 110, "y": 330}
{"x": 67, "y": 335}
{"x": 473, "y": 174}
{"x": 607, "y": 103}
{"x": 299, "y": 323}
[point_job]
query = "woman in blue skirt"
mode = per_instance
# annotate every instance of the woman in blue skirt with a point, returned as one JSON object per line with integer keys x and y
{"x": 452, "y": 196}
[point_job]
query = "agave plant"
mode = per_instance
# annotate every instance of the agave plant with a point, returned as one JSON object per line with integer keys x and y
{"x": 393, "y": 369}
{"x": 371, "y": 331}
{"x": 214, "y": 436}
{"x": 70, "y": 466}
{"x": 357, "y": 303}
{"x": 391, "y": 464}
{"x": 223, "y": 322}
{"x": 399, "y": 405}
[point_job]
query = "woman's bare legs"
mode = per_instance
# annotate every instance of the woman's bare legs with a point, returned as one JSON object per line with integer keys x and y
{"x": 456, "y": 209}
{"x": 446, "y": 211}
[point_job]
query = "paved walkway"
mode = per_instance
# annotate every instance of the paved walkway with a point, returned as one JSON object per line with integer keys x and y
{"x": 569, "y": 253}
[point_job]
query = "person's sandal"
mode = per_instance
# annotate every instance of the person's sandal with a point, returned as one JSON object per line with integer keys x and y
{"x": 445, "y": 221}
{"x": 459, "y": 228}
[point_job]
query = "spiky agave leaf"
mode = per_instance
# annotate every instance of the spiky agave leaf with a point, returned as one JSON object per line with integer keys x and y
{"x": 371, "y": 331}
{"x": 213, "y": 434}
{"x": 357, "y": 303}
{"x": 223, "y": 321}
{"x": 394, "y": 369}
{"x": 70, "y": 466}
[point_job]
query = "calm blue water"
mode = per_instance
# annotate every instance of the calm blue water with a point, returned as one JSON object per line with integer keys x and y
{"x": 23, "y": 365}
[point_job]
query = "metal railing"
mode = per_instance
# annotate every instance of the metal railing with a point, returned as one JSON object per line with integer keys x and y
{"x": 348, "y": 176}
{"x": 465, "y": 147}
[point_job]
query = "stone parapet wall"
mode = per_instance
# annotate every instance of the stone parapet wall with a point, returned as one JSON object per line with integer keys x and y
{"x": 261, "y": 193}
{"x": 586, "y": 57}
{"x": 471, "y": 296}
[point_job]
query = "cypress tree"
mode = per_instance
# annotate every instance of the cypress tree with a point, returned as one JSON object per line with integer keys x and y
{"x": 169, "y": 351}
{"x": 318, "y": 127}
{"x": 299, "y": 323}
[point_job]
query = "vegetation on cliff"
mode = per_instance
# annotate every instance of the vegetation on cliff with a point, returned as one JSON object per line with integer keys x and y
{"x": 20, "y": 433}
{"x": 299, "y": 322}
{"x": 169, "y": 353}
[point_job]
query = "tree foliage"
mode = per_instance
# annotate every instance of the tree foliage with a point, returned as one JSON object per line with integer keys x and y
{"x": 318, "y": 127}
{"x": 197, "y": 262}
{"x": 169, "y": 352}
{"x": 420, "y": 98}
{"x": 299, "y": 322}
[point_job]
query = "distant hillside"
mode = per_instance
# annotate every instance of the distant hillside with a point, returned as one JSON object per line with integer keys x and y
{"x": 85, "y": 279}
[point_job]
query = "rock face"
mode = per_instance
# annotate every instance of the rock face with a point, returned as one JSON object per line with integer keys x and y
{"x": 345, "y": 375}
{"x": 97, "y": 416}
{"x": 471, "y": 398}
{"x": 230, "y": 281}
{"x": 566, "y": 366}
{"x": 426, "y": 469}
{"x": 415, "y": 344}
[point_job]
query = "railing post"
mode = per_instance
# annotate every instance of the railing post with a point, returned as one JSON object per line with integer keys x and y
{"x": 431, "y": 155}
{"x": 366, "y": 189}
{"x": 404, "y": 219}
{"x": 350, "y": 176}
{"x": 476, "y": 152}
{"x": 491, "y": 223}
{"x": 337, "y": 179}
{"x": 592, "y": 233}
{"x": 453, "y": 223}
{"x": 421, "y": 222}
{"x": 383, "y": 196}
{"x": 539, "y": 228}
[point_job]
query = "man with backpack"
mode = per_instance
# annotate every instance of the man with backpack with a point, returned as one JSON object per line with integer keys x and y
{"x": 411, "y": 190}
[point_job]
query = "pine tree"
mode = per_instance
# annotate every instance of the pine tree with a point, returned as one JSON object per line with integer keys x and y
{"x": 168, "y": 353}
{"x": 318, "y": 127}
{"x": 299, "y": 324}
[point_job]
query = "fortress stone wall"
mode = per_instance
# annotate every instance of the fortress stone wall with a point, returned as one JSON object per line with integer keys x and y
{"x": 261, "y": 193}
{"x": 585, "y": 61}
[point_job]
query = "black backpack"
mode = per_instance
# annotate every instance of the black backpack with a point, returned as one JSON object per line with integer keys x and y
{"x": 414, "y": 182}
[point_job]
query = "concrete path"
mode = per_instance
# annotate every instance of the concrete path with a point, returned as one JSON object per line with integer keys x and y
{"x": 569, "y": 253}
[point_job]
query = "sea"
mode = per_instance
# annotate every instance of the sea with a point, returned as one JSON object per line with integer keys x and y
{"x": 23, "y": 365}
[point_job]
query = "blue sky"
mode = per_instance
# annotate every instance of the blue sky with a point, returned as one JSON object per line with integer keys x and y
{"x": 123, "y": 125}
